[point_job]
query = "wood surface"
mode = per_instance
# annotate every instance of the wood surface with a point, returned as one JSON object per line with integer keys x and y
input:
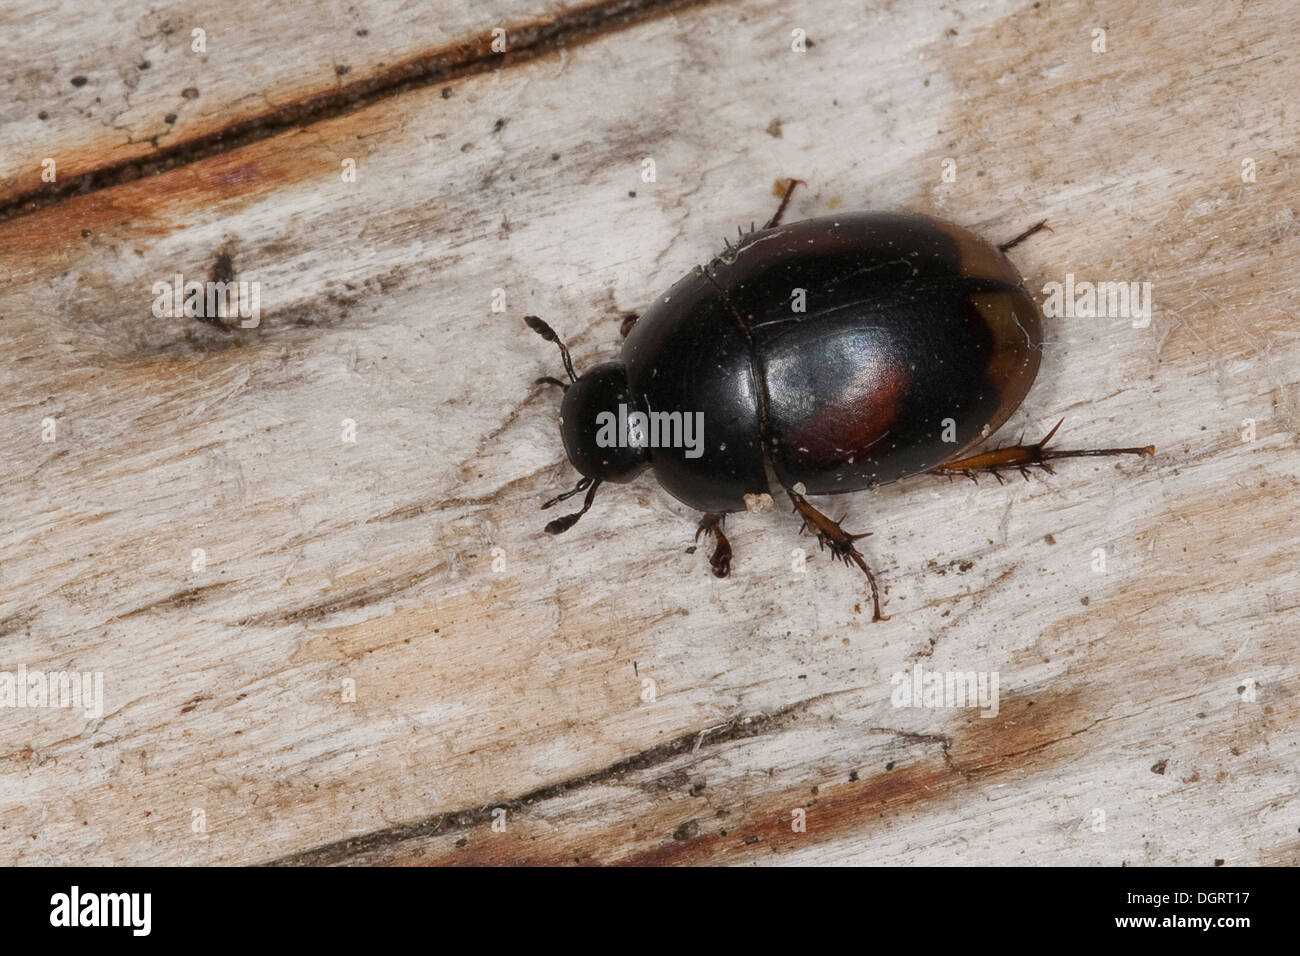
{"x": 600, "y": 697}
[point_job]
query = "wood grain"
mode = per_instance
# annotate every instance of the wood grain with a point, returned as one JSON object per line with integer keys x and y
{"x": 118, "y": 90}
{"x": 1162, "y": 692}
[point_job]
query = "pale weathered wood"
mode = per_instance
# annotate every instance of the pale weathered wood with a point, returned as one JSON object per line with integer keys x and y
{"x": 98, "y": 85}
{"x": 522, "y": 687}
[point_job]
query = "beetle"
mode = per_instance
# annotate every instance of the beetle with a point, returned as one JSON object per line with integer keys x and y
{"x": 820, "y": 357}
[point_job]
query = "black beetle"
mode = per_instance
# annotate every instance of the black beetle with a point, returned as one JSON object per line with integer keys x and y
{"x": 828, "y": 356}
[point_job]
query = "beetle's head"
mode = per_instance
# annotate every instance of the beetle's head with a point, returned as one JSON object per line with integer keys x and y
{"x": 593, "y": 425}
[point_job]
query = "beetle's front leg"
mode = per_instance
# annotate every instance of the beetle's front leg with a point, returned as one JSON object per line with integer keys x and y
{"x": 1021, "y": 457}
{"x": 831, "y": 535}
{"x": 720, "y": 560}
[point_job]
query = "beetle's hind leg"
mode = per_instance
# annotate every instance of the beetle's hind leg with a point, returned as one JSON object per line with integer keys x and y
{"x": 1021, "y": 457}
{"x": 831, "y": 535}
{"x": 720, "y": 560}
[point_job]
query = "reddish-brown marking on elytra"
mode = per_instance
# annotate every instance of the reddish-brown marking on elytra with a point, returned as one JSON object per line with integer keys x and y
{"x": 851, "y": 426}
{"x": 978, "y": 259}
{"x": 1012, "y": 322}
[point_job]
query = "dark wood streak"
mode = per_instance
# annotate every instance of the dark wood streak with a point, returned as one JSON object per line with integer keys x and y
{"x": 528, "y": 41}
{"x": 1034, "y": 732}
{"x": 737, "y": 729}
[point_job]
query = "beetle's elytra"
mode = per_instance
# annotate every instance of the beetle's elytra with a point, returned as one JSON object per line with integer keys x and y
{"x": 820, "y": 357}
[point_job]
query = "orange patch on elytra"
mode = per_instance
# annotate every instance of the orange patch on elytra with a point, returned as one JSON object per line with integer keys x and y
{"x": 855, "y": 422}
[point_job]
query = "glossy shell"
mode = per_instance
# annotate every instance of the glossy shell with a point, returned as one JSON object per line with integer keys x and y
{"x": 916, "y": 340}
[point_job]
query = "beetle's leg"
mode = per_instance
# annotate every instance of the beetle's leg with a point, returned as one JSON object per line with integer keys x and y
{"x": 628, "y": 322}
{"x": 831, "y": 535}
{"x": 785, "y": 201}
{"x": 1032, "y": 230}
{"x": 720, "y": 561}
{"x": 1021, "y": 457}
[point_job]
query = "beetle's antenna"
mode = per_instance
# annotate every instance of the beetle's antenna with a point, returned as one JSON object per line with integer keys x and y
{"x": 548, "y": 333}
{"x": 580, "y": 486}
{"x": 561, "y": 525}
